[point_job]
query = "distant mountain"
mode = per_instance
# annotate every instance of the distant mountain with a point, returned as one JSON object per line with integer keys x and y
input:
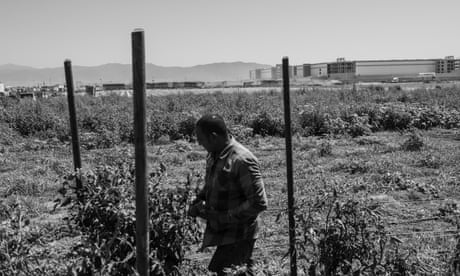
{"x": 15, "y": 75}
{"x": 13, "y": 67}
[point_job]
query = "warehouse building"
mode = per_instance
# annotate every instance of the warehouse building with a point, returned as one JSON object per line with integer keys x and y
{"x": 319, "y": 70}
{"x": 341, "y": 69}
{"x": 381, "y": 70}
{"x": 302, "y": 71}
{"x": 175, "y": 85}
{"x": 273, "y": 73}
{"x": 279, "y": 71}
{"x": 268, "y": 74}
{"x": 113, "y": 86}
{"x": 263, "y": 74}
{"x": 370, "y": 70}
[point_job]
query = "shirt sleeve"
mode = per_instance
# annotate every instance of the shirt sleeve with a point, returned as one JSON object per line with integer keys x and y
{"x": 201, "y": 195}
{"x": 250, "y": 178}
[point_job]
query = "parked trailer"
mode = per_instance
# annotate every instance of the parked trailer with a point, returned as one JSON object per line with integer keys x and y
{"x": 427, "y": 77}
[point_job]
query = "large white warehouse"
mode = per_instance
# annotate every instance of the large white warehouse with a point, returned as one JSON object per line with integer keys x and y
{"x": 370, "y": 70}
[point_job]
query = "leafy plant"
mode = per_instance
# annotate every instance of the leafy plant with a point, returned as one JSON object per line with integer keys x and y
{"x": 351, "y": 240}
{"x": 106, "y": 216}
{"x": 266, "y": 124}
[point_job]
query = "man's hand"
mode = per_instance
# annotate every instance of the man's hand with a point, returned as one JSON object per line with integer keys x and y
{"x": 197, "y": 209}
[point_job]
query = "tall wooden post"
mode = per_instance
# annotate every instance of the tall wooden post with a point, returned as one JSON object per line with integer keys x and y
{"x": 73, "y": 122}
{"x": 142, "y": 214}
{"x": 290, "y": 189}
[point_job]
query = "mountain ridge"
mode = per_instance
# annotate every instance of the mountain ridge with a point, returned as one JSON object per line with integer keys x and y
{"x": 20, "y": 75}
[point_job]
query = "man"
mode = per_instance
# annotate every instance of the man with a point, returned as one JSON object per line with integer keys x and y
{"x": 232, "y": 197}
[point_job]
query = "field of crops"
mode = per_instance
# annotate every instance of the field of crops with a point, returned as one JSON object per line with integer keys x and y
{"x": 376, "y": 182}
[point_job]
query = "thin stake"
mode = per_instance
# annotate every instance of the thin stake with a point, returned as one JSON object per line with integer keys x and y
{"x": 142, "y": 214}
{"x": 288, "y": 136}
{"x": 73, "y": 122}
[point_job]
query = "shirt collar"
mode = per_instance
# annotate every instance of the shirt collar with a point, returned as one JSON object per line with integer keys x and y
{"x": 224, "y": 153}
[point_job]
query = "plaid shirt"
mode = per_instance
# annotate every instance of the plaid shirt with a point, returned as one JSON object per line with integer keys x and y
{"x": 233, "y": 190}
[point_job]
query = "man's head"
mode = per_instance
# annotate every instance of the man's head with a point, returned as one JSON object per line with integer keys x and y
{"x": 212, "y": 133}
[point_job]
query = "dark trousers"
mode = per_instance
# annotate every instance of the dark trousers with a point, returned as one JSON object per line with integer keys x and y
{"x": 238, "y": 253}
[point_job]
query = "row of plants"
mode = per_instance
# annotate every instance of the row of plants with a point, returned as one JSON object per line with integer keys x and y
{"x": 104, "y": 211}
{"x": 348, "y": 237}
{"x": 107, "y": 121}
{"x": 335, "y": 236}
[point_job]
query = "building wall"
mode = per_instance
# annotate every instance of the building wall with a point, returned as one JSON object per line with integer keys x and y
{"x": 113, "y": 86}
{"x": 255, "y": 74}
{"x": 279, "y": 71}
{"x": 343, "y": 76}
{"x": 306, "y": 70}
{"x": 341, "y": 67}
{"x": 394, "y": 67}
{"x": 319, "y": 70}
{"x": 267, "y": 74}
{"x": 445, "y": 65}
{"x": 298, "y": 71}
{"x": 2, "y": 88}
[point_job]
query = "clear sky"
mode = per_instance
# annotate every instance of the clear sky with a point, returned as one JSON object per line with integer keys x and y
{"x": 43, "y": 33}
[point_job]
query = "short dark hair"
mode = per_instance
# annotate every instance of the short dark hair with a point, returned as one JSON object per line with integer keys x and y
{"x": 210, "y": 123}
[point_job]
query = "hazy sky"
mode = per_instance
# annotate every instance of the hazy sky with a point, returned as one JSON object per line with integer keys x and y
{"x": 43, "y": 33}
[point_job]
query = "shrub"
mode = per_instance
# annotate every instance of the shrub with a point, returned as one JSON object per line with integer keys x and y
{"x": 159, "y": 125}
{"x": 404, "y": 97}
{"x": 32, "y": 117}
{"x": 413, "y": 143}
{"x": 107, "y": 139}
{"x": 241, "y": 132}
{"x": 313, "y": 121}
{"x": 395, "y": 119}
{"x": 19, "y": 242}
{"x": 325, "y": 149}
{"x": 266, "y": 124}
{"x": 126, "y": 128}
{"x": 374, "y": 115}
{"x": 350, "y": 239}
{"x": 106, "y": 217}
{"x": 429, "y": 161}
{"x": 357, "y": 125}
{"x": 186, "y": 127}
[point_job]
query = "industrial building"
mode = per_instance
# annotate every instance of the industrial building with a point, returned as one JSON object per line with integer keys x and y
{"x": 273, "y": 73}
{"x": 113, "y": 86}
{"x": 368, "y": 70}
{"x": 175, "y": 85}
{"x": 302, "y": 71}
{"x": 319, "y": 70}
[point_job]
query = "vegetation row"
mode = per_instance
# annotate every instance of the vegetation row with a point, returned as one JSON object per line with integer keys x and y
{"x": 107, "y": 121}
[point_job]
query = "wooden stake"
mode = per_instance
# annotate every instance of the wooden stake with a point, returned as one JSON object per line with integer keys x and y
{"x": 142, "y": 214}
{"x": 73, "y": 123}
{"x": 290, "y": 189}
